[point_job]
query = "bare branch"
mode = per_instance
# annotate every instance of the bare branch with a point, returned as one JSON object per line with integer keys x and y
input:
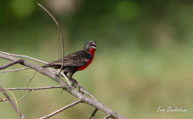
{"x": 37, "y": 88}
{"x": 31, "y": 79}
{"x": 61, "y": 109}
{"x": 24, "y": 56}
{"x": 11, "y": 102}
{"x": 14, "y": 70}
{"x": 67, "y": 87}
{"x": 35, "y": 67}
{"x": 11, "y": 63}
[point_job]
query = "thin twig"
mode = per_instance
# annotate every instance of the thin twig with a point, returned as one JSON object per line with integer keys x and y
{"x": 12, "y": 103}
{"x": 48, "y": 13}
{"x": 61, "y": 109}
{"x": 11, "y": 63}
{"x": 14, "y": 70}
{"x": 31, "y": 79}
{"x": 24, "y": 56}
{"x": 93, "y": 113}
{"x": 19, "y": 100}
{"x": 59, "y": 30}
{"x": 62, "y": 42}
{"x": 36, "y": 88}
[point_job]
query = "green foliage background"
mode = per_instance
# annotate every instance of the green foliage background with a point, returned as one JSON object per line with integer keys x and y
{"x": 144, "y": 56}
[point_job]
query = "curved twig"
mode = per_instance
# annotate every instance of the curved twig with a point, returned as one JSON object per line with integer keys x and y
{"x": 59, "y": 30}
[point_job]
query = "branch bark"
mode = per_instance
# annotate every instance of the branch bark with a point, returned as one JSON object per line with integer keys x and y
{"x": 68, "y": 88}
{"x": 37, "y": 88}
{"x": 11, "y": 103}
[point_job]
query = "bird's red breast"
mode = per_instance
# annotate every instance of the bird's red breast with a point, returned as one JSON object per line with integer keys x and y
{"x": 88, "y": 61}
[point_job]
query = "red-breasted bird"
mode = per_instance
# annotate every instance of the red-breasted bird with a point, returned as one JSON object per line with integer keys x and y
{"x": 76, "y": 61}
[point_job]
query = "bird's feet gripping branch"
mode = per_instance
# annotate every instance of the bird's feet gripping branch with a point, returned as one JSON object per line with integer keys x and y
{"x": 76, "y": 61}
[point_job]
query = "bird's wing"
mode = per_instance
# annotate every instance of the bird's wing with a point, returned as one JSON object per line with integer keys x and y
{"x": 75, "y": 59}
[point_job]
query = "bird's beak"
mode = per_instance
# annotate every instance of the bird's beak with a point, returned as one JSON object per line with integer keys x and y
{"x": 93, "y": 46}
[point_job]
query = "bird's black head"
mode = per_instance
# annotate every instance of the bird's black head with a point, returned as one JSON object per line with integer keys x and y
{"x": 90, "y": 44}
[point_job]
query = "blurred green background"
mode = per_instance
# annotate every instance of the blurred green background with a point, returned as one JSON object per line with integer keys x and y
{"x": 144, "y": 56}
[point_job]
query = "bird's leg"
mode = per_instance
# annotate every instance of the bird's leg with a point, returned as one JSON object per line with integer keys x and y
{"x": 75, "y": 83}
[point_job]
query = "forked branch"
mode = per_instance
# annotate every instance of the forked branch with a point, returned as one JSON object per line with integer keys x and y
{"x": 11, "y": 103}
{"x": 91, "y": 100}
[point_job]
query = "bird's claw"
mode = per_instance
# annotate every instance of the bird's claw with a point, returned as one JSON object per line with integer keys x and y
{"x": 74, "y": 82}
{"x": 75, "y": 85}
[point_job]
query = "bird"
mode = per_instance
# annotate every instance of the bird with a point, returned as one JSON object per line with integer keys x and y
{"x": 76, "y": 61}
